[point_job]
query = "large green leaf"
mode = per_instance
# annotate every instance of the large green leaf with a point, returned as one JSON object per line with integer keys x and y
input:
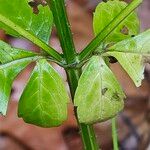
{"x": 106, "y": 12}
{"x": 132, "y": 53}
{"x": 8, "y": 53}
{"x": 21, "y": 14}
{"x": 8, "y": 72}
{"x": 98, "y": 96}
{"x": 44, "y": 100}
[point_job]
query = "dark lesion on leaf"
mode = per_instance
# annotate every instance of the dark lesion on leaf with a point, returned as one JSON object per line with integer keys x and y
{"x": 35, "y": 3}
{"x": 125, "y": 30}
{"x": 115, "y": 96}
{"x": 132, "y": 35}
{"x": 104, "y": 90}
{"x": 146, "y": 59}
{"x": 105, "y": 1}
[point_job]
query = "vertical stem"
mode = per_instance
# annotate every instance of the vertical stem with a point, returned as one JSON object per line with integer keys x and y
{"x": 66, "y": 40}
{"x": 114, "y": 134}
{"x": 86, "y": 131}
{"x": 63, "y": 29}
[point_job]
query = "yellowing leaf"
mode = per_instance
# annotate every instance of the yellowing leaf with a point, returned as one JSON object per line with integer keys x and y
{"x": 99, "y": 96}
{"x": 44, "y": 100}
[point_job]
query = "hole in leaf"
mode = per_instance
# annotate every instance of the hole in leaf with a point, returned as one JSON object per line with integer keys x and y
{"x": 132, "y": 35}
{"x": 112, "y": 59}
{"x": 35, "y": 3}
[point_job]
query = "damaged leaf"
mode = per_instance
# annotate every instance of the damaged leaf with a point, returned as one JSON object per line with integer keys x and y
{"x": 35, "y": 3}
{"x": 106, "y": 12}
{"x": 20, "y": 14}
{"x": 99, "y": 96}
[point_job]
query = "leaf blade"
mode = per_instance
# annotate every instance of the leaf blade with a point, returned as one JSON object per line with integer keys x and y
{"x": 35, "y": 28}
{"x": 43, "y": 104}
{"x": 110, "y": 9}
{"x": 21, "y": 14}
{"x": 8, "y": 72}
{"x": 132, "y": 54}
{"x": 98, "y": 96}
{"x": 8, "y": 53}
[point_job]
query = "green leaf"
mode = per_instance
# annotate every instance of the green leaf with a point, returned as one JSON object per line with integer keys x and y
{"x": 8, "y": 53}
{"x": 21, "y": 14}
{"x": 8, "y": 72}
{"x": 99, "y": 96}
{"x": 132, "y": 53}
{"x": 44, "y": 100}
{"x": 106, "y": 12}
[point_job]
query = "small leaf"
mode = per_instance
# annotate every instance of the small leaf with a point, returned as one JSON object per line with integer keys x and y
{"x": 8, "y": 53}
{"x": 44, "y": 100}
{"x": 106, "y": 12}
{"x": 21, "y": 14}
{"x": 8, "y": 72}
{"x": 99, "y": 96}
{"x": 132, "y": 53}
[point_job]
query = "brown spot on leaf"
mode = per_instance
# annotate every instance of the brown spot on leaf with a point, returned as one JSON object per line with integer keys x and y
{"x": 104, "y": 90}
{"x": 115, "y": 97}
{"x": 146, "y": 59}
{"x": 109, "y": 45}
{"x": 105, "y": 1}
{"x": 35, "y": 3}
{"x": 125, "y": 30}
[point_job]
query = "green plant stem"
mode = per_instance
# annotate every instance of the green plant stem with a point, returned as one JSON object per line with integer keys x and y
{"x": 86, "y": 131}
{"x": 114, "y": 134}
{"x": 96, "y": 42}
{"x": 52, "y": 52}
{"x": 66, "y": 40}
{"x": 63, "y": 29}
